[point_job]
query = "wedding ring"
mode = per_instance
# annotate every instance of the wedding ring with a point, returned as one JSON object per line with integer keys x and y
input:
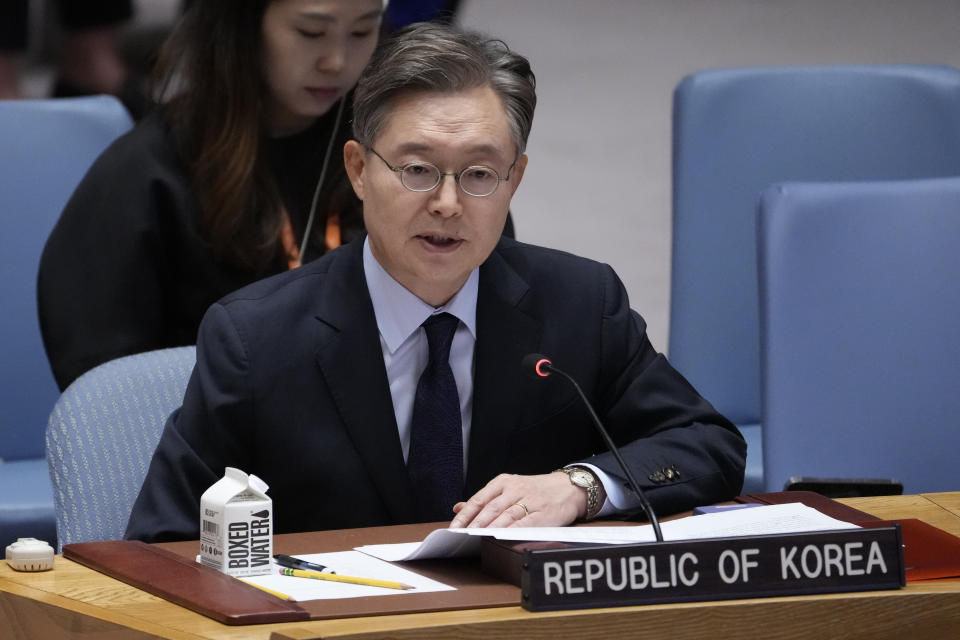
{"x": 526, "y": 511}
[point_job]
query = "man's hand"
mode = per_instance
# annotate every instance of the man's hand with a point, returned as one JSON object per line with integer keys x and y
{"x": 548, "y": 500}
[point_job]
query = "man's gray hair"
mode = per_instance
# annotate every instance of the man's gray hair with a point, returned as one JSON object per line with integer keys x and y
{"x": 431, "y": 57}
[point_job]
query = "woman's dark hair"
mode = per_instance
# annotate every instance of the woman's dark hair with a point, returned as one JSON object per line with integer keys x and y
{"x": 209, "y": 82}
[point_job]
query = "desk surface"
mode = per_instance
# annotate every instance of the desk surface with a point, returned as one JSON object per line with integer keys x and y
{"x": 73, "y": 601}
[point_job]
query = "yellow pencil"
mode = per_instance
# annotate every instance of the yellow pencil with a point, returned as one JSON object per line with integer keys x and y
{"x": 278, "y": 594}
{"x": 336, "y": 577}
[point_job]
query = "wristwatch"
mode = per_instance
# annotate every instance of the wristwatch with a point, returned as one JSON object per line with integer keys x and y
{"x": 584, "y": 478}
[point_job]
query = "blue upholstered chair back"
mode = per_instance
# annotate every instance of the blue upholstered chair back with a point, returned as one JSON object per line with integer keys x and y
{"x": 46, "y": 146}
{"x": 736, "y": 131}
{"x": 102, "y": 434}
{"x": 860, "y": 326}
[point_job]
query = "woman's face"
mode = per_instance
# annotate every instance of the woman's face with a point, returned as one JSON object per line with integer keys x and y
{"x": 313, "y": 53}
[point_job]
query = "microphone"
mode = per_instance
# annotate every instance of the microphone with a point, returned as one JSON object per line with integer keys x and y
{"x": 540, "y": 366}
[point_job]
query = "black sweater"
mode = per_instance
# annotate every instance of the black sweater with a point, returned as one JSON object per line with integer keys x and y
{"x": 127, "y": 268}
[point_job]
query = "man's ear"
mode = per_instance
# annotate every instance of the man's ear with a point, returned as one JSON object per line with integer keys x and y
{"x": 355, "y": 160}
{"x": 516, "y": 175}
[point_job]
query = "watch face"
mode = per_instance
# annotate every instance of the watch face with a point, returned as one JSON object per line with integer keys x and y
{"x": 581, "y": 478}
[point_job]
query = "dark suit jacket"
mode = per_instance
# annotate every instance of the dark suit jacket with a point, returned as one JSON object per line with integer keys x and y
{"x": 290, "y": 385}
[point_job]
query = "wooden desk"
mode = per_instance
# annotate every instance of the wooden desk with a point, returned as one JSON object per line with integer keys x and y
{"x": 75, "y": 602}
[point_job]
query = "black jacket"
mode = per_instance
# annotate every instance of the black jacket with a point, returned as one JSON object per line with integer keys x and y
{"x": 290, "y": 385}
{"x": 127, "y": 268}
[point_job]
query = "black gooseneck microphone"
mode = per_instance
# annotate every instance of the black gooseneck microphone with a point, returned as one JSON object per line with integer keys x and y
{"x": 540, "y": 366}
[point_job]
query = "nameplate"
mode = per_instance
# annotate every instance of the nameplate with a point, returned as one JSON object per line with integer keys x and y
{"x": 715, "y": 569}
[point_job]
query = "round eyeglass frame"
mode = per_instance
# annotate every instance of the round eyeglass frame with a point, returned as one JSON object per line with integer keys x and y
{"x": 400, "y": 171}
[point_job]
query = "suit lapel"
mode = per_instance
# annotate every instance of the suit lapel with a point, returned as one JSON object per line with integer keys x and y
{"x": 505, "y": 334}
{"x": 349, "y": 356}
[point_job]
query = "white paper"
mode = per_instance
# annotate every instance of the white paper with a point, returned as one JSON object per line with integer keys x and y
{"x": 769, "y": 519}
{"x": 350, "y": 563}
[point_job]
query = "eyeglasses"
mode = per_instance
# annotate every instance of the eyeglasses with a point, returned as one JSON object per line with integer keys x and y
{"x": 478, "y": 181}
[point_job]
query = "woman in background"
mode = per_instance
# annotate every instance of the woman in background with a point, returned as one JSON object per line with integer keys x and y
{"x": 236, "y": 175}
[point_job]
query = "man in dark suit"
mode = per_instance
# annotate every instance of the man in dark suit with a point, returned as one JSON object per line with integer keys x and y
{"x": 328, "y": 382}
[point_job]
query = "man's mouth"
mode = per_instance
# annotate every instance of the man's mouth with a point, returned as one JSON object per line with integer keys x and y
{"x": 439, "y": 241}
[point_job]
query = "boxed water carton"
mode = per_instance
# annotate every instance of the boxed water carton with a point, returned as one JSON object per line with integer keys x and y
{"x": 236, "y": 525}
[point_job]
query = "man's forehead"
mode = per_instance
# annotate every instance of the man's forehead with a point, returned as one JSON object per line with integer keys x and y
{"x": 482, "y": 148}
{"x": 475, "y": 118}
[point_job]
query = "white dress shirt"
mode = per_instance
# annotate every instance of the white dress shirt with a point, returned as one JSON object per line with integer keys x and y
{"x": 403, "y": 341}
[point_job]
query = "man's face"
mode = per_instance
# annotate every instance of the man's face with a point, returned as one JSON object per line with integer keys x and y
{"x": 431, "y": 241}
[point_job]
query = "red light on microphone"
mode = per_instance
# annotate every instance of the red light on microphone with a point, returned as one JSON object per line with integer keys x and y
{"x": 541, "y": 372}
{"x": 537, "y": 365}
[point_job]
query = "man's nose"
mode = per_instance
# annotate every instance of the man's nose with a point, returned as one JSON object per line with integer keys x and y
{"x": 445, "y": 200}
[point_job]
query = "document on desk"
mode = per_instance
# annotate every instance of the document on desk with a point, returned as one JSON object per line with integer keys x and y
{"x": 350, "y": 563}
{"x": 769, "y": 519}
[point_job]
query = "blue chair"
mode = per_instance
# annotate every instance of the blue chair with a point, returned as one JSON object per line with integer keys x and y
{"x": 736, "y": 131}
{"x": 102, "y": 434}
{"x": 860, "y": 331}
{"x": 46, "y": 146}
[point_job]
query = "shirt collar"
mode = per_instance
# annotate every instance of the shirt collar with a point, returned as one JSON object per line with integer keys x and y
{"x": 399, "y": 312}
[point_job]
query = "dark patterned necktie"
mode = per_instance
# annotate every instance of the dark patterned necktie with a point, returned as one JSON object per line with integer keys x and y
{"x": 435, "y": 459}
